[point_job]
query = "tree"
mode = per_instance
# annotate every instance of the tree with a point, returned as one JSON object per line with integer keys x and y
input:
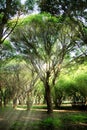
{"x": 17, "y": 81}
{"x": 9, "y": 76}
{"x": 27, "y": 83}
{"x": 71, "y": 85}
{"x": 74, "y": 84}
{"x": 29, "y": 4}
{"x": 46, "y": 42}
{"x": 8, "y": 8}
{"x": 58, "y": 93}
{"x": 73, "y": 9}
{"x": 81, "y": 81}
{"x": 65, "y": 7}
{"x": 7, "y": 51}
{"x": 39, "y": 93}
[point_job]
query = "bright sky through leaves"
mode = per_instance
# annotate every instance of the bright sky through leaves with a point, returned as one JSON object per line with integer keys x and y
{"x": 22, "y": 1}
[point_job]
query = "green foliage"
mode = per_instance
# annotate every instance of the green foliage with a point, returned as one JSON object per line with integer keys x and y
{"x": 36, "y": 26}
{"x": 73, "y": 85}
{"x": 38, "y": 18}
{"x": 81, "y": 81}
{"x": 67, "y": 7}
{"x": 8, "y": 51}
{"x": 29, "y": 4}
{"x": 1, "y": 17}
{"x": 7, "y": 45}
{"x": 49, "y": 27}
{"x": 9, "y": 8}
{"x": 46, "y": 30}
{"x": 66, "y": 85}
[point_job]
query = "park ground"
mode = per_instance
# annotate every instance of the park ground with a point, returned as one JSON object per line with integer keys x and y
{"x": 38, "y": 119}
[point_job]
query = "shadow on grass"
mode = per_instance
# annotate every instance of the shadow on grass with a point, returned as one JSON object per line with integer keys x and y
{"x": 47, "y": 125}
{"x": 38, "y": 119}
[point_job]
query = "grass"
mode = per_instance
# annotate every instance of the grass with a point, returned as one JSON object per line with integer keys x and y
{"x": 75, "y": 118}
{"x": 18, "y": 125}
{"x": 64, "y": 121}
{"x": 43, "y": 124}
{"x": 40, "y": 120}
{"x": 50, "y": 123}
{"x": 78, "y": 118}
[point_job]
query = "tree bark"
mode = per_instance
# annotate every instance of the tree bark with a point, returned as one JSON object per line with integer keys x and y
{"x": 0, "y": 101}
{"x": 29, "y": 103}
{"x": 48, "y": 98}
{"x": 5, "y": 101}
{"x": 1, "y": 96}
{"x": 1, "y": 32}
{"x": 14, "y": 103}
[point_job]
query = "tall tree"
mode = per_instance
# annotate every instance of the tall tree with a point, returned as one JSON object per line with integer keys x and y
{"x": 46, "y": 42}
{"x": 8, "y": 8}
{"x": 73, "y": 9}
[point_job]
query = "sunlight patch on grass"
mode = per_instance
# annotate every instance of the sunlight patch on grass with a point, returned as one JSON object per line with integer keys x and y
{"x": 27, "y": 119}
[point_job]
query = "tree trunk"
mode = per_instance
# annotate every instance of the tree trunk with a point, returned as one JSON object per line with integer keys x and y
{"x": 1, "y": 96}
{"x": 48, "y": 98}
{"x": 1, "y": 32}
{"x": 29, "y": 103}
{"x": 5, "y": 101}
{"x": 14, "y": 103}
{"x": 0, "y": 101}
